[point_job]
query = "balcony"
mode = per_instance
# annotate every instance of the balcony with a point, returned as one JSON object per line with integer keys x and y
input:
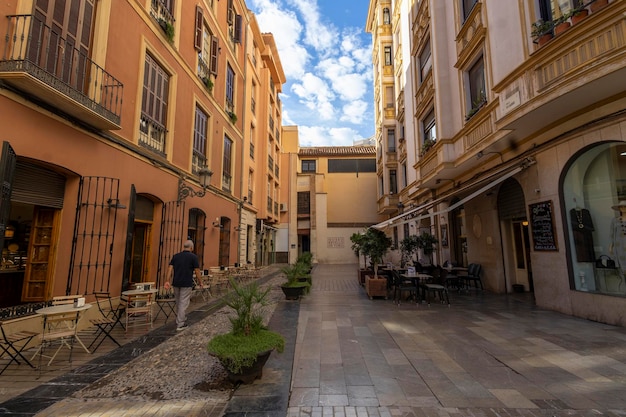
{"x": 388, "y": 204}
{"x": 44, "y": 65}
{"x": 577, "y": 69}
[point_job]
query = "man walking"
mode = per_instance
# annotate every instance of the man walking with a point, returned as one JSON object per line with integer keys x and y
{"x": 182, "y": 268}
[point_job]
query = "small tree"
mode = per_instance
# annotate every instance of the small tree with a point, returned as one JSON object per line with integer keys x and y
{"x": 357, "y": 240}
{"x": 427, "y": 243}
{"x": 375, "y": 244}
{"x": 409, "y": 247}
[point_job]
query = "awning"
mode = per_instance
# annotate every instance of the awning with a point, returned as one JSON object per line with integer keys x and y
{"x": 492, "y": 180}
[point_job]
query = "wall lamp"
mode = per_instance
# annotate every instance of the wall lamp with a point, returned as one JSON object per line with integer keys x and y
{"x": 115, "y": 203}
{"x": 185, "y": 191}
{"x": 480, "y": 154}
{"x": 217, "y": 222}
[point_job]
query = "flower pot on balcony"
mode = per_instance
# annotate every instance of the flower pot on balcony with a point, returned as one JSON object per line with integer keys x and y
{"x": 597, "y": 5}
{"x": 543, "y": 39}
{"x": 561, "y": 27}
{"x": 578, "y": 16}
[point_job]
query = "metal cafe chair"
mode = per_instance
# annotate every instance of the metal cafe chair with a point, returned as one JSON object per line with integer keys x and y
{"x": 105, "y": 324}
{"x": 12, "y": 344}
{"x": 165, "y": 302}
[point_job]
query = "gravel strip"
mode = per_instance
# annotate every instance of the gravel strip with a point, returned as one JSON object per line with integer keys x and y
{"x": 179, "y": 368}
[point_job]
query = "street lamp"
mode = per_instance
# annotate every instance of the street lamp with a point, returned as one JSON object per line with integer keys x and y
{"x": 185, "y": 191}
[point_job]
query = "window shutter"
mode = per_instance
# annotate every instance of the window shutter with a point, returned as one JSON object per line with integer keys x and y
{"x": 215, "y": 43}
{"x": 238, "y": 20}
{"x": 198, "y": 38}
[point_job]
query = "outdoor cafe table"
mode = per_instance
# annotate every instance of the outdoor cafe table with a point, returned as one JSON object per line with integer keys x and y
{"x": 418, "y": 278}
{"x": 71, "y": 323}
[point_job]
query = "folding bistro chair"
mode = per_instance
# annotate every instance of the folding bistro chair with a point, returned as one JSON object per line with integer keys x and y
{"x": 165, "y": 302}
{"x": 105, "y": 305}
{"x": 13, "y": 344}
{"x": 106, "y": 322}
{"x": 139, "y": 310}
{"x": 58, "y": 328}
{"x": 65, "y": 300}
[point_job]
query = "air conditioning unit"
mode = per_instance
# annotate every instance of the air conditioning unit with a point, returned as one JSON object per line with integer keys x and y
{"x": 283, "y": 207}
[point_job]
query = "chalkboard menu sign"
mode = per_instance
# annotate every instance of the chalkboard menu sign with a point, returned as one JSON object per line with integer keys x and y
{"x": 542, "y": 225}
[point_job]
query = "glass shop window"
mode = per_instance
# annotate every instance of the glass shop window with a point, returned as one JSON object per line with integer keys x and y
{"x": 594, "y": 193}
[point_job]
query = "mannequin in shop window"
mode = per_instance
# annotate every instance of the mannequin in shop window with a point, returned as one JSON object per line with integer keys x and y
{"x": 582, "y": 230}
{"x": 617, "y": 248}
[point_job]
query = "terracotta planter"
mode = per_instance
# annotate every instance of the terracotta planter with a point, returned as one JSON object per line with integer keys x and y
{"x": 578, "y": 17}
{"x": 561, "y": 27}
{"x": 597, "y": 5}
{"x": 543, "y": 39}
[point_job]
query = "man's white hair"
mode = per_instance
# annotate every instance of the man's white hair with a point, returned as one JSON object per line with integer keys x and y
{"x": 188, "y": 244}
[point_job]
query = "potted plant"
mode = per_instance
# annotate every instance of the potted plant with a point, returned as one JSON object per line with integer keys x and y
{"x": 562, "y": 24}
{"x": 168, "y": 28}
{"x": 244, "y": 350}
{"x": 476, "y": 105}
{"x": 232, "y": 116}
{"x": 542, "y": 31}
{"x": 358, "y": 242}
{"x": 409, "y": 247}
{"x": 306, "y": 259}
{"x": 293, "y": 288}
{"x": 579, "y": 13}
{"x": 427, "y": 243}
{"x": 208, "y": 83}
{"x": 375, "y": 245}
{"x": 428, "y": 143}
{"x": 598, "y": 4}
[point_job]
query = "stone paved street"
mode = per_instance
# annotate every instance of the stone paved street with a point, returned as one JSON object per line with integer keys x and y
{"x": 484, "y": 356}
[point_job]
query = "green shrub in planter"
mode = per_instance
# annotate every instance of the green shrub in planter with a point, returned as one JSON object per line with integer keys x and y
{"x": 249, "y": 337}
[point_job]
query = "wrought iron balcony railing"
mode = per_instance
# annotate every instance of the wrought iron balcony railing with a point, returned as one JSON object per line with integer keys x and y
{"x": 33, "y": 51}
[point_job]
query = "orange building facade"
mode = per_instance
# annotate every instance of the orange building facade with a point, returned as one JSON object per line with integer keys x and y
{"x": 126, "y": 131}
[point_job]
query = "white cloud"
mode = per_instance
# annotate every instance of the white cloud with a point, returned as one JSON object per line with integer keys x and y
{"x": 354, "y": 112}
{"x": 315, "y": 95}
{"x": 318, "y": 35}
{"x": 294, "y": 57}
{"x": 322, "y": 136}
{"x": 328, "y": 69}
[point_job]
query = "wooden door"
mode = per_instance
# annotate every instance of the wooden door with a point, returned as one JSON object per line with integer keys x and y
{"x": 41, "y": 255}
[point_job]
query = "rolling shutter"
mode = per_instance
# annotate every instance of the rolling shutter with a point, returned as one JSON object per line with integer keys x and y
{"x": 39, "y": 186}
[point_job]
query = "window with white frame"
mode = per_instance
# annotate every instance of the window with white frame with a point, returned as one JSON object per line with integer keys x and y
{"x": 386, "y": 16}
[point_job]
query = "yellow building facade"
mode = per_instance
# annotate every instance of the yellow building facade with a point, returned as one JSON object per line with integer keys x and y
{"x": 329, "y": 195}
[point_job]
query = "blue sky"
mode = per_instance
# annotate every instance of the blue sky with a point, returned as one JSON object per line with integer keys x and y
{"x": 326, "y": 56}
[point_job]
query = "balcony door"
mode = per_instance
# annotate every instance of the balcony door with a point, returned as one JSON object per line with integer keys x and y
{"x": 61, "y": 39}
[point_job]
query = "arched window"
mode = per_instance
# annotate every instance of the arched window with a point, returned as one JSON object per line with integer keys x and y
{"x": 594, "y": 216}
{"x": 386, "y": 16}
